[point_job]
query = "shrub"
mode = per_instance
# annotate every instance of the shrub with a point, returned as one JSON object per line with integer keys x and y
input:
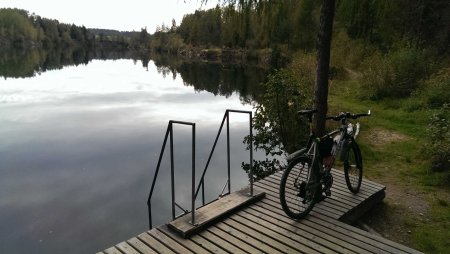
{"x": 438, "y": 145}
{"x": 393, "y": 75}
{"x": 278, "y": 127}
{"x": 437, "y": 89}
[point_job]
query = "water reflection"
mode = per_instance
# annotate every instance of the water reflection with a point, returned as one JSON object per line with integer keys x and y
{"x": 79, "y": 146}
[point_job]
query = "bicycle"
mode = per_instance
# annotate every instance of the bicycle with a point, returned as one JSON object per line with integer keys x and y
{"x": 308, "y": 174}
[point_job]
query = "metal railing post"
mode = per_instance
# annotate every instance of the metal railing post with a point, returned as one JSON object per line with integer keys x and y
{"x": 210, "y": 156}
{"x": 172, "y": 178}
{"x": 251, "y": 155}
{"x": 228, "y": 151}
{"x": 195, "y": 190}
{"x": 150, "y": 225}
{"x": 193, "y": 175}
{"x": 155, "y": 176}
{"x": 203, "y": 192}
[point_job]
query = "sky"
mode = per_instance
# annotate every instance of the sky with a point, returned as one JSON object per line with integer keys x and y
{"x": 119, "y": 15}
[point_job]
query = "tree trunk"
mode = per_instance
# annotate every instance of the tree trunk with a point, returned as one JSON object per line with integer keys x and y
{"x": 323, "y": 64}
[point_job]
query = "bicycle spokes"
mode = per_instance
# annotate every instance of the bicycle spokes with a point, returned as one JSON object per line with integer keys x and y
{"x": 298, "y": 188}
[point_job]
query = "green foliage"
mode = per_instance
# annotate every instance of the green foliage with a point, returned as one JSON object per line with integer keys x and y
{"x": 260, "y": 24}
{"x": 262, "y": 168}
{"x": 384, "y": 22}
{"x": 348, "y": 53}
{"x": 279, "y": 129}
{"x": 438, "y": 145}
{"x": 15, "y": 26}
{"x": 202, "y": 27}
{"x": 166, "y": 42}
{"x": 396, "y": 74}
{"x": 20, "y": 30}
{"x": 436, "y": 91}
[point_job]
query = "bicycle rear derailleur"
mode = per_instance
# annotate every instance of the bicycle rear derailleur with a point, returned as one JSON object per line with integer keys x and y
{"x": 327, "y": 181}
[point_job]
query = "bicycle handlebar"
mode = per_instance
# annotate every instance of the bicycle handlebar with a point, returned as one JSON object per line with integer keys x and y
{"x": 347, "y": 115}
{"x": 341, "y": 116}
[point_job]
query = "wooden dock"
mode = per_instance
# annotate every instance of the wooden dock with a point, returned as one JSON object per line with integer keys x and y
{"x": 263, "y": 227}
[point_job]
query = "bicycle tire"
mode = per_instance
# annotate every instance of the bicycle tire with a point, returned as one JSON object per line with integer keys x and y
{"x": 298, "y": 198}
{"x": 353, "y": 167}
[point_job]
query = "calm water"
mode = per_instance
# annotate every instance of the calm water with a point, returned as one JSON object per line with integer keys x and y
{"x": 79, "y": 146}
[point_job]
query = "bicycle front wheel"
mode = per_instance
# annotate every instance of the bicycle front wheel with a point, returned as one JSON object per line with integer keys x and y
{"x": 298, "y": 188}
{"x": 353, "y": 167}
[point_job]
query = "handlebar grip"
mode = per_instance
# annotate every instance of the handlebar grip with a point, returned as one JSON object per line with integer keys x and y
{"x": 363, "y": 114}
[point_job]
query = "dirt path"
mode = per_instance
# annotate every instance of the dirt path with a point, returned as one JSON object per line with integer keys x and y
{"x": 404, "y": 204}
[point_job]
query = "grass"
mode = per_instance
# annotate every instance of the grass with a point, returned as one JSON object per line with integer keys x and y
{"x": 392, "y": 141}
{"x": 432, "y": 235}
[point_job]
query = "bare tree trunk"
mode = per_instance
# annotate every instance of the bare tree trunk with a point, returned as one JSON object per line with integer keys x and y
{"x": 323, "y": 64}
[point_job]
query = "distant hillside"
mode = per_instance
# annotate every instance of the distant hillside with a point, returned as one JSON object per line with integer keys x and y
{"x": 21, "y": 30}
{"x": 114, "y": 33}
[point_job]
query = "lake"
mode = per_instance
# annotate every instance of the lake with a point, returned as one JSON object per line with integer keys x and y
{"x": 79, "y": 146}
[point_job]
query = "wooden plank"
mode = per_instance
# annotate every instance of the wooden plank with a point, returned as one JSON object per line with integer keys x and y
{"x": 365, "y": 180}
{"x": 314, "y": 234}
{"x": 295, "y": 241}
{"x": 250, "y": 239}
{"x": 367, "y": 237}
{"x": 173, "y": 245}
{"x": 126, "y": 248}
{"x": 337, "y": 187}
{"x": 338, "y": 177}
{"x": 272, "y": 239}
{"x": 140, "y": 246}
{"x": 220, "y": 242}
{"x": 233, "y": 240}
{"x": 337, "y": 207}
{"x": 153, "y": 243}
{"x": 187, "y": 243}
{"x": 205, "y": 243}
{"x": 213, "y": 212}
{"x": 333, "y": 201}
{"x": 355, "y": 213}
{"x": 331, "y": 230}
{"x": 308, "y": 225}
{"x": 349, "y": 216}
{"x": 342, "y": 196}
{"x": 270, "y": 195}
{"x": 112, "y": 250}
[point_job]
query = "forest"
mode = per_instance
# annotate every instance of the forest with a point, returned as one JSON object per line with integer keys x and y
{"x": 391, "y": 49}
{"x": 20, "y": 30}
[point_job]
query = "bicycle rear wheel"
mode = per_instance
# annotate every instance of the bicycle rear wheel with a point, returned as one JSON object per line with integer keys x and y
{"x": 298, "y": 188}
{"x": 353, "y": 167}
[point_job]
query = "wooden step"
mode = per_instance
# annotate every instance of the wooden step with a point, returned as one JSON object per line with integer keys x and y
{"x": 214, "y": 211}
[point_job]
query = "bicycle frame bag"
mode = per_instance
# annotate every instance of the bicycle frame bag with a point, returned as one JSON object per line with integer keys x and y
{"x": 325, "y": 146}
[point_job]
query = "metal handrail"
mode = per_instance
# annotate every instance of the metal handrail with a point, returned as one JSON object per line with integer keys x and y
{"x": 170, "y": 131}
{"x": 227, "y": 118}
{"x": 169, "y": 134}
